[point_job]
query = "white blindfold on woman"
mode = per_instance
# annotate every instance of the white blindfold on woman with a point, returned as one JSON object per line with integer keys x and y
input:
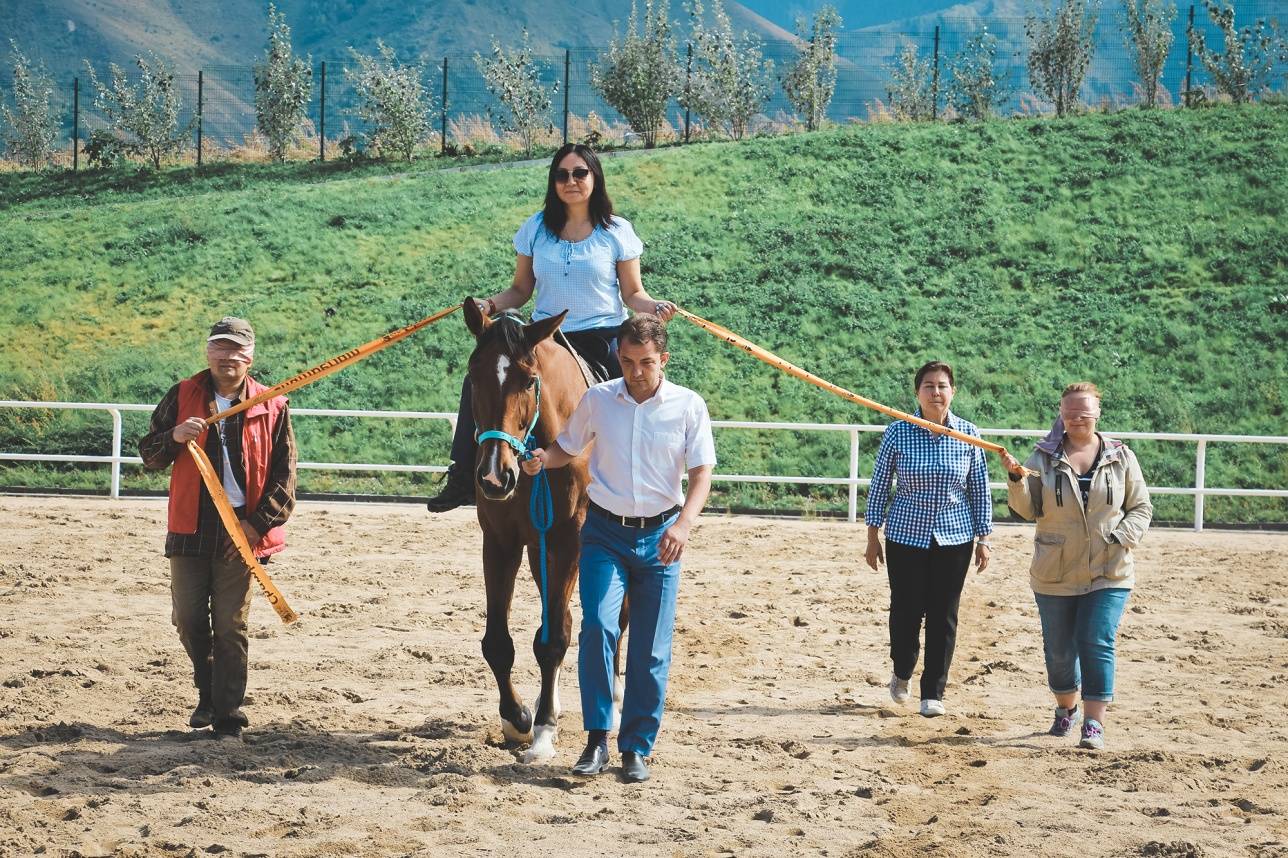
{"x": 228, "y": 350}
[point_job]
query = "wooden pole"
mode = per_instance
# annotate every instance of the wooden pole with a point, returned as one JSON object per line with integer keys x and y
{"x": 336, "y": 363}
{"x": 233, "y": 526}
{"x": 791, "y": 369}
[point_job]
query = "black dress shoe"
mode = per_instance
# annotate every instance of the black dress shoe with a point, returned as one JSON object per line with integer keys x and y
{"x": 634, "y": 769}
{"x": 458, "y": 490}
{"x": 202, "y": 716}
{"x": 592, "y": 761}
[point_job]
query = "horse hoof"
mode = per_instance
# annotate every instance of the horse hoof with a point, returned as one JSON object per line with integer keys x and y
{"x": 543, "y": 745}
{"x": 520, "y": 729}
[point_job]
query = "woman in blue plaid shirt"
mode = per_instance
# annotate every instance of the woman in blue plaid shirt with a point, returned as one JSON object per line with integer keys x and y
{"x": 941, "y": 504}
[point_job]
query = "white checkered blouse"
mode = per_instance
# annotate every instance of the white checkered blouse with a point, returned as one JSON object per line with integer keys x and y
{"x": 941, "y": 486}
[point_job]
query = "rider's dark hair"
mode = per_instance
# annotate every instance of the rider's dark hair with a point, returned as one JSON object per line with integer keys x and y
{"x": 555, "y": 214}
{"x": 934, "y": 366}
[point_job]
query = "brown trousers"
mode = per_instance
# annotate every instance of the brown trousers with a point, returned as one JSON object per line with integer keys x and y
{"x": 211, "y": 602}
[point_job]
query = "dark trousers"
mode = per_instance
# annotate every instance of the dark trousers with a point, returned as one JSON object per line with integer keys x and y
{"x": 925, "y": 582}
{"x": 210, "y": 599}
{"x": 597, "y": 346}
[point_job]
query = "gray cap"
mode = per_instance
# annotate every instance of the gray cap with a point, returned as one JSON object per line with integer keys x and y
{"x": 233, "y": 329}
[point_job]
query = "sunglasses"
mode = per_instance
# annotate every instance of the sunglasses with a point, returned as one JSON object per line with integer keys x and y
{"x": 562, "y": 176}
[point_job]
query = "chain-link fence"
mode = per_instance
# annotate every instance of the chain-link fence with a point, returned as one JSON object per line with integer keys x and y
{"x": 218, "y": 102}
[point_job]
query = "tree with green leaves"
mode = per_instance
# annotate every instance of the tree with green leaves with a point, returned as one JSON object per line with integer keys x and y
{"x": 514, "y": 78}
{"x": 976, "y": 85}
{"x": 1245, "y": 65}
{"x": 811, "y": 82}
{"x": 144, "y": 116}
{"x": 392, "y": 100}
{"x": 283, "y": 83}
{"x": 32, "y": 125}
{"x": 1147, "y": 30}
{"x": 912, "y": 95}
{"x": 730, "y": 78}
{"x": 638, "y": 74}
{"x": 1061, "y": 43}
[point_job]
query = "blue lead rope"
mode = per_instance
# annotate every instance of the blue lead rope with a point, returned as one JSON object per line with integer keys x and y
{"x": 541, "y": 508}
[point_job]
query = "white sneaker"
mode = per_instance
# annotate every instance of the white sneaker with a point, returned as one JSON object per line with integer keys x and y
{"x": 932, "y": 708}
{"x": 899, "y": 692}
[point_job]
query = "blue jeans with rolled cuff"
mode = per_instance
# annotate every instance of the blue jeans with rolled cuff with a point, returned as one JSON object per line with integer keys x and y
{"x": 1078, "y": 640}
{"x": 616, "y": 562}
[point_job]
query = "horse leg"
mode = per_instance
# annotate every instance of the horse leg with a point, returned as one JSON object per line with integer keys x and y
{"x": 562, "y": 546}
{"x": 619, "y": 672}
{"x": 500, "y": 565}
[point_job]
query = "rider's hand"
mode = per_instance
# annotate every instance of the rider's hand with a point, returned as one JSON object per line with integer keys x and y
{"x": 188, "y": 430}
{"x": 1013, "y": 464}
{"x": 874, "y": 555}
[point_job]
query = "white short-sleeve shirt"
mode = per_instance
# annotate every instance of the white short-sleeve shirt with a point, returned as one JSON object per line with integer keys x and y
{"x": 642, "y": 449}
{"x": 578, "y": 276}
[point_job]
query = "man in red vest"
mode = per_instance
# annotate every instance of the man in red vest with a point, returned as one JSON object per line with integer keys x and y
{"x": 254, "y": 451}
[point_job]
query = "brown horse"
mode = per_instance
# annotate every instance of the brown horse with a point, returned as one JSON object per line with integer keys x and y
{"x": 525, "y": 383}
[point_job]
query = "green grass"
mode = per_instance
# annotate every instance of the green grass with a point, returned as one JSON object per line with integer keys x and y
{"x": 1146, "y": 251}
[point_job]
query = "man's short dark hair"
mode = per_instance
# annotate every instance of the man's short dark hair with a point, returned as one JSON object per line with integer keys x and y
{"x": 644, "y": 328}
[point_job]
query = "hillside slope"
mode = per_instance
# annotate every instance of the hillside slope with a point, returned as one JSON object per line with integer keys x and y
{"x": 1145, "y": 251}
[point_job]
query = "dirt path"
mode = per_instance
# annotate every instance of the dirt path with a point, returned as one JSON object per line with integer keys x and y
{"x": 374, "y": 728}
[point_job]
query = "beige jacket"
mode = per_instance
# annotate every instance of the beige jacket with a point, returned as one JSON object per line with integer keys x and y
{"x": 1072, "y": 551}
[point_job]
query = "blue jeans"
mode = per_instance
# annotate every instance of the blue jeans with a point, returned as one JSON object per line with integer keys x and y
{"x": 618, "y": 561}
{"x": 1078, "y": 634}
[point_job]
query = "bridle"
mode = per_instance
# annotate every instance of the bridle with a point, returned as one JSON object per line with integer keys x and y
{"x": 523, "y": 449}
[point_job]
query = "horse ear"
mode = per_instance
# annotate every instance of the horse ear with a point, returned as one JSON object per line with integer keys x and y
{"x": 538, "y": 331}
{"x": 474, "y": 318}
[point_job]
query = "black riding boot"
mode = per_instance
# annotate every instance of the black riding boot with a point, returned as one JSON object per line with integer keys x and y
{"x": 458, "y": 490}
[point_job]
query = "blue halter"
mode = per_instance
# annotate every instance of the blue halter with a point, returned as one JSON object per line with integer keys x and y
{"x": 541, "y": 508}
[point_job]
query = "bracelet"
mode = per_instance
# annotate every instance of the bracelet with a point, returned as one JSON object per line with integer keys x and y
{"x": 985, "y": 544}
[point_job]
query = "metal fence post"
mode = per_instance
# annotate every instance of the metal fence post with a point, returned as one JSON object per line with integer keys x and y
{"x": 934, "y": 86}
{"x": 1200, "y": 479}
{"x": 200, "y": 111}
{"x": 1189, "y": 58}
{"x": 75, "y": 124}
{"x": 322, "y": 117}
{"x": 116, "y": 453}
{"x": 854, "y": 476}
{"x": 567, "y": 67}
{"x": 442, "y": 133}
{"x": 688, "y": 83}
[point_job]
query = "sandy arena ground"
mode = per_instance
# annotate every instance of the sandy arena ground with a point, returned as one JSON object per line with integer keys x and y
{"x": 374, "y": 727}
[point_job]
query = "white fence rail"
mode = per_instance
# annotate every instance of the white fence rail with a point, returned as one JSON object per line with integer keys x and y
{"x": 1200, "y": 490}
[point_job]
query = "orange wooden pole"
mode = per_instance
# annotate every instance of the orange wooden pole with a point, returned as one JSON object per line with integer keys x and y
{"x": 775, "y": 361}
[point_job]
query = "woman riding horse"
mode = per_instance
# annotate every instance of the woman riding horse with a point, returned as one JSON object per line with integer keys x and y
{"x": 576, "y": 255}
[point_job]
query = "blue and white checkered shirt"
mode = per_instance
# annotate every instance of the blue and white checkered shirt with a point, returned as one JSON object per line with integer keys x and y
{"x": 941, "y": 486}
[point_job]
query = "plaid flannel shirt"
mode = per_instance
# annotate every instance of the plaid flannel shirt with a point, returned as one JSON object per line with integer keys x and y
{"x": 941, "y": 486}
{"x": 159, "y": 449}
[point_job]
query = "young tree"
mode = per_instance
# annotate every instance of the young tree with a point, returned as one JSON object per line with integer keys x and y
{"x": 391, "y": 99}
{"x": 638, "y": 75}
{"x": 976, "y": 86}
{"x": 730, "y": 80}
{"x": 145, "y": 116}
{"x": 283, "y": 83}
{"x": 515, "y": 80}
{"x": 1147, "y": 28}
{"x": 1243, "y": 68}
{"x": 32, "y": 126}
{"x": 1060, "y": 48}
{"x": 810, "y": 83}
{"x": 911, "y": 85}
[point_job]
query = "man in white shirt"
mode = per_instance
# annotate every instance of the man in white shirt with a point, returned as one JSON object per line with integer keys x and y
{"x": 647, "y": 432}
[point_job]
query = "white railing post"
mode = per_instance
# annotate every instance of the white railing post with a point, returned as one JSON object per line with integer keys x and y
{"x": 116, "y": 453}
{"x": 854, "y": 476}
{"x": 1200, "y": 478}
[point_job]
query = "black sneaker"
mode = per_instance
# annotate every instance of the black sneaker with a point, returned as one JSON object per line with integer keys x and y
{"x": 458, "y": 490}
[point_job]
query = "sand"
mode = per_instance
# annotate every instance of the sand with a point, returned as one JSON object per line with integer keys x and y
{"x": 374, "y": 727}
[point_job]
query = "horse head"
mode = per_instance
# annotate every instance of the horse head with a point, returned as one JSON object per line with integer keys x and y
{"x": 504, "y": 371}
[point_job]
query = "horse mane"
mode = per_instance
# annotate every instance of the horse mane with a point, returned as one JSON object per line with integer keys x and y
{"x": 506, "y": 331}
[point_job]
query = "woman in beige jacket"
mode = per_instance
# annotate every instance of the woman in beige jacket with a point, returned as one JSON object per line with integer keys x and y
{"x": 1092, "y": 508}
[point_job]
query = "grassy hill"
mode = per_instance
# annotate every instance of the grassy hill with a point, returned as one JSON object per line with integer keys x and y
{"x": 1145, "y": 251}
